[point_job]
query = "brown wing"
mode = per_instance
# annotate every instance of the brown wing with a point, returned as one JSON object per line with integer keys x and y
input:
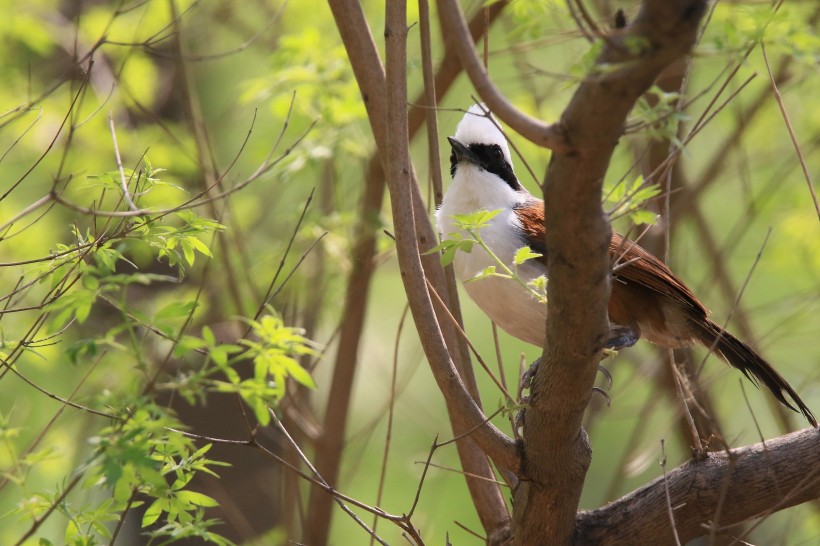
{"x": 633, "y": 264}
{"x": 648, "y": 299}
{"x": 642, "y": 286}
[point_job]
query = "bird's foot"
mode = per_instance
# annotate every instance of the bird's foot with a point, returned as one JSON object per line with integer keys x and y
{"x": 605, "y": 394}
{"x": 529, "y": 374}
{"x": 526, "y": 380}
{"x": 621, "y": 337}
{"x": 606, "y": 373}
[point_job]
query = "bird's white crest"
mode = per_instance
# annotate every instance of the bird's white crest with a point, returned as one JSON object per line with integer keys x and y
{"x": 473, "y": 188}
{"x": 478, "y": 126}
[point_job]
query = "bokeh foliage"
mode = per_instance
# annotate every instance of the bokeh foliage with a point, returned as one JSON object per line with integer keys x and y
{"x": 240, "y": 111}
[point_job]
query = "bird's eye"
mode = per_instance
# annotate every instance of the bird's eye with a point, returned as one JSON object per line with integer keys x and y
{"x": 498, "y": 155}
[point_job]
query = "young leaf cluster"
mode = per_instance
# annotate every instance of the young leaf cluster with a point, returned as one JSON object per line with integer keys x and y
{"x": 470, "y": 226}
{"x": 628, "y": 199}
{"x": 141, "y": 458}
{"x": 274, "y": 351}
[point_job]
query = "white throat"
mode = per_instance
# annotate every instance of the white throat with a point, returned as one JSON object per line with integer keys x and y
{"x": 509, "y": 305}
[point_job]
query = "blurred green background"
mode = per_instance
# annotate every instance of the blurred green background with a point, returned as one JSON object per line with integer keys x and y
{"x": 224, "y": 69}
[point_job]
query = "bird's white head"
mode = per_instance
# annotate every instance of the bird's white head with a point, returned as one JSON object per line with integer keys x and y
{"x": 481, "y": 167}
{"x": 478, "y": 126}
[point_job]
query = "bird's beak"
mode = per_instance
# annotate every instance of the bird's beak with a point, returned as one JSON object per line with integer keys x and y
{"x": 463, "y": 153}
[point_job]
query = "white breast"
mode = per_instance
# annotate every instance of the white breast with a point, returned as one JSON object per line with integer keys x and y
{"x": 505, "y": 301}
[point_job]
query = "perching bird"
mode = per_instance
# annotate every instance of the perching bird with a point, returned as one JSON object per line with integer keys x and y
{"x": 647, "y": 299}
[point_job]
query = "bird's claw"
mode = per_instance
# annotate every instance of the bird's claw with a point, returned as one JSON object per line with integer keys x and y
{"x": 606, "y": 374}
{"x": 605, "y": 394}
{"x": 527, "y": 377}
{"x": 529, "y": 374}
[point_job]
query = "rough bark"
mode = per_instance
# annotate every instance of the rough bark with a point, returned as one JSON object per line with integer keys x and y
{"x": 724, "y": 489}
{"x": 557, "y": 452}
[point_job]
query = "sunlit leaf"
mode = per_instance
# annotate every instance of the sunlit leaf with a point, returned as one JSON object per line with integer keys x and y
{"x": 523, "y": 254}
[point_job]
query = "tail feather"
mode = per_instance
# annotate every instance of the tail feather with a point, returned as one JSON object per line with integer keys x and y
{"x": 753, "y": 366}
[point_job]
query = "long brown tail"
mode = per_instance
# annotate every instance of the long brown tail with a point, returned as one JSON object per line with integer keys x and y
{"x": 753, "y": 366}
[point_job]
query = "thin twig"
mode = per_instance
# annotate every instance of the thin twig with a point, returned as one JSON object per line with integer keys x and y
{"x": 748, "y": 278}
{"x": 669, "y": 509}
{"x": 321, "y": 480}
{"x": 423, "y": 475}
{"x": 464, "y": 336}
{"x": 390, "y": 412}
{"x": 549, "y": 136}
{"x": 123, "y": 183}
{"x": 685, "y": 395}
{"x": 472, "y": 430}
{"x": 20, "y": 137}
{"x": 789, "y": 127}
{"x": 469, "y": 531}
{"x": 197, "y": 200}
{"x": 293, "y": 234}
{"x": 430, "y": 102}
{"x": 467, "y": 474}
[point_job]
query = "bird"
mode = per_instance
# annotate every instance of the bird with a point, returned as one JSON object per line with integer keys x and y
{"x": 647, "y": 299}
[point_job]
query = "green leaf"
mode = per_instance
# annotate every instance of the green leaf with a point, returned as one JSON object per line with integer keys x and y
{"x": 200, "y": 246}
{"x": 197, "y": 499}
{"x": 539, "y": 284}
{"x": 523, "y": 254}
{"x": 91, "y": 282}
{"x": 488, "y": 271}
{"x": 84, "y": 307}
{"x": 186, "y": 344}
{"x": 475, "y": 220}
{"x": 125, "y": 484}
{"x": 642, "y": 216}
{"x": 449, "y": 247}
{"x": 71, "y": 531}
{"x": 152, "y": 513}
{"x": 448, "y": 255}
{"x": 260, "y": 410}
{"x": 208, "y": 336}
{"x": 219, "y": 354}
{"x": 299, "y": 374}
{"x": 188, "y": 249}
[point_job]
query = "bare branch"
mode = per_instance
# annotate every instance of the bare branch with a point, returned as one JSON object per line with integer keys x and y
{"x": 768, "y": 477}
{"x": 556, "y": 448}
{"x": 789, "y": 127}
{"x": 464, "y": 409}
{"x": 414, "y": 231}
{"x": 123, "y": 182}
{"x": 548, "y": 136}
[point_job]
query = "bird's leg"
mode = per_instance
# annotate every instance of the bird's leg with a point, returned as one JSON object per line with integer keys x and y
{"x": 620, "y": 337}
{"x": 526, "y": 380}
{"x": 524, "y": 399}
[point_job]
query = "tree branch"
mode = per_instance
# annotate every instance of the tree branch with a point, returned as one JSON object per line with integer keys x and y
{"x": 762, "y": 478}
{"x": 556, "y": 449}
{"x": 449, "y": 66}
{"x": 548, "y": 136}
{"x": 413, "y": 230}
{"x": 331, "y": 442}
